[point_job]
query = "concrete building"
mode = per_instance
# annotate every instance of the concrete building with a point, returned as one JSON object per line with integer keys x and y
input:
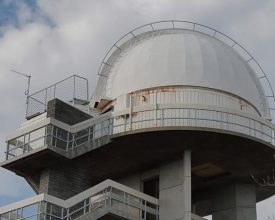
{"x": 178, "y": 127}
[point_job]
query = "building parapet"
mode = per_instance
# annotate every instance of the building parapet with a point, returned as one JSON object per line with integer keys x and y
{"x": 53, "y": 133}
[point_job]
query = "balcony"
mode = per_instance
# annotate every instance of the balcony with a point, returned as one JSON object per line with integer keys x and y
{"x": 63, "y": 137}
{"x": 51, "y": 140}
{"x": 104, "y": 199}
{"x": 108, "y": 198}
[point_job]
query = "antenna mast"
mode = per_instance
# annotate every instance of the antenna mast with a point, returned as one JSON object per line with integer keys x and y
{"x": 28, "y": 88}
{"x": 29, "y": 81}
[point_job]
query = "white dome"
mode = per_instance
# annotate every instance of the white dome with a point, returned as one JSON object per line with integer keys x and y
{"x": 179, "y": 57}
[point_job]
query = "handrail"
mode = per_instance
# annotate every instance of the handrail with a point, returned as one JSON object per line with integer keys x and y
{"x": 109, "y": 126}
{"x": 93, "y": 192}
{"x": 58, "y": 83}
{"x": 37, "y": 101}
{"x": 96, "y": 121}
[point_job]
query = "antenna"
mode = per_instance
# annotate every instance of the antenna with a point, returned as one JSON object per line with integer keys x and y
{"x": 29, "y": 81}
{"x": 28, "y": 88}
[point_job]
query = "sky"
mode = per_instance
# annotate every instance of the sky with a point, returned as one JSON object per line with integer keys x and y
{"x": 54, "y": 39}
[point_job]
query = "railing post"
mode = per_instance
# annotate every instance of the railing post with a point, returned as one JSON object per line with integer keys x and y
{"x": 145, "y": 210}
{"x": 74, "y": 91}
{"x": 162, "y": 117}
{"x": 54, "y": 91}
{"x": 157, "y": 212}
{"x": 46, "y": 104}
{"x": 87, "y": 89}
{"x": 27, "y": 106}
{"x": 62, "y": 213}
{"x": 73, "y": 138}
{"x": 140, "y": 208}
{"x": 127, "y": 195}
{"x": 110, "y": 198}
{"x": 101, "y": 128}
{"x": 131, "y": 113}
{"x": 156, "y": 109}
{"x": 56, "y": 131}
{"x": 124, "y": 202}
{"x": 26, "y": 146}
{"x": 227, "y": 124}
{"x": 68, "y": 140}
{"x": 272, "y": 136}
{"x": 125, "y": 122}
{"x": 7, "y": 151}
{"x": 68, "y": 213}
{"x": 89, "y": 131}
{"x": 109, "y": 127}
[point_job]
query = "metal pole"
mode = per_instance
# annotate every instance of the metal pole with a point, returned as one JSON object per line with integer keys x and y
{"x": 125, "y": 122}
{"x": 110, "y": 198}
{"x": 7, "y": 151}
{"x": 68, "y": 140}
{"x": 54, "y": 91}
{"x": 156, "y": 109}
{"x": 74, "y": 91}
{"x": 27, "y": 107}
{"x": 28, "y": 88}
{"x": 87, "y": 90}
{"x": 131, "y": 112}
{"x": 46, "y": 104}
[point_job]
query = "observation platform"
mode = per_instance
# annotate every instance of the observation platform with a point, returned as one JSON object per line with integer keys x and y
{"x": 235, "y": 144}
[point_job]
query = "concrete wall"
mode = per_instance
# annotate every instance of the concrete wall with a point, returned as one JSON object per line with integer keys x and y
{"x": 136, "y": 180}
{"x": 174, "y": 187}
{"x": 63, "y": 183}
{"x": 235, "y": 202}
{"x": 66, "y": 113}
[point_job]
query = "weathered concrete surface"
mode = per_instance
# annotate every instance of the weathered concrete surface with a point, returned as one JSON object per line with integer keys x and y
{"x": 63, "y": 182}
{"x": 175, "y": 189}
{"x": 65, "y": 113}
{"x": 133, "y": 153}
{"x": 235, "y": 202}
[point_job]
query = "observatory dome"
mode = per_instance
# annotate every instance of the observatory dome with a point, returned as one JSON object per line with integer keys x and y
{"x": 179, "y": 57}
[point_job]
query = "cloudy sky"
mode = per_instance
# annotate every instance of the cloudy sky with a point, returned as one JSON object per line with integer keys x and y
{"x": 53, "y": 39}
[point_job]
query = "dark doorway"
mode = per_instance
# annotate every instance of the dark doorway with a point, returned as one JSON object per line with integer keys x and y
{"x": 151, "y": 187}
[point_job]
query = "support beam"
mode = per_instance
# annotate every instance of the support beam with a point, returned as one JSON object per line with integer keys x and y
{"x": 175, "y": 189}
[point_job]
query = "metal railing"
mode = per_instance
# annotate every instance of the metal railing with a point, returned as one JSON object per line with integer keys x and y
{"x": 104, "y": 198}
{"x": 69, "y": 89}
{"x": 53, "y": 136}
{"x": 62, "y": 138}
{"x": 188, "y": 25}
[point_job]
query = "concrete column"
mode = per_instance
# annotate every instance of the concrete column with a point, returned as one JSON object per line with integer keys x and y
{"x": 175, "y": 189}
{"x": 187, "y": 193}
{"x": 235, "y": 202}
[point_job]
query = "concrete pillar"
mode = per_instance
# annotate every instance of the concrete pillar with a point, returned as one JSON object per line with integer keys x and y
{"x": 235, "y": 202}
{"x": 175, "y": 189}
{"x": 187, "y": 193}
